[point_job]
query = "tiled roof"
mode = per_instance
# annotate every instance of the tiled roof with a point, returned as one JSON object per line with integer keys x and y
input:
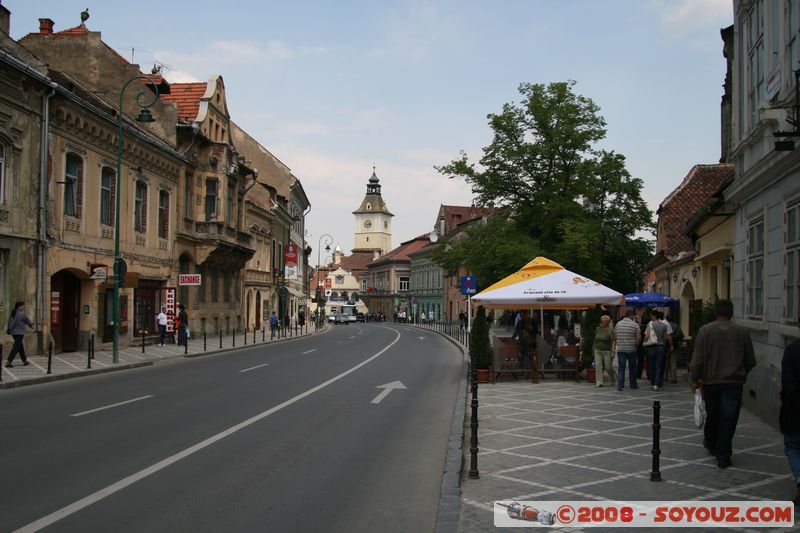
{"x": 187, "y": 96}
{"x": 401, "y": 252}
{"x": 681, "y": 205}
{"x": 358, "y": 261}
{"x": 456, "y": 214}
{"x": 77, "y": 31}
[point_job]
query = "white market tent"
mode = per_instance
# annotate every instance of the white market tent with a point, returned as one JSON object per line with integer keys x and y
{"x": 544, "y": 284}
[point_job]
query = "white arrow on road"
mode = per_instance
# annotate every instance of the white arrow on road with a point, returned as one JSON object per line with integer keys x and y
{"x": 387, "y": 388}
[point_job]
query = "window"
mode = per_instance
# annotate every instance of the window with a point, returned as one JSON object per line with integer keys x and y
{"x": 2, "y": 173}
{"x": 229, "y": 210}
{"x": 163, "y": 214}
{"x": 339, "y": 280}
{"x": 792, "y": 282}
{"x": 226, "y": 286}
{"x": 214, "y": 286}
{"x": 107, "y": 186}
{"x": 363, "y": 285}
{"x": 140, "y": 207}
{"x": 187, "y": 196}
{"x": 73, "y": 182}
{"x": 211, "y": 199}
{"x": 3, "y": 276}
{"x": 754, "y": 34}
{"x": 755, "y": 269}
{"x": 404, "y": 283}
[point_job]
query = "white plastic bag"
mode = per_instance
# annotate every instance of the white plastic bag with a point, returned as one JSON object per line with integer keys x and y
{"x": 699, "y": 409}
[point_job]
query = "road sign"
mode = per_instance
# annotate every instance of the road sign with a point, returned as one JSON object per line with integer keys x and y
{"x": 469, "y": 284}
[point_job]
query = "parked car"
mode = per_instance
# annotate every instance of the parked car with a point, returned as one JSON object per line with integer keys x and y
{"x": 340, "y": 318}
{"x": 361, "y": 317}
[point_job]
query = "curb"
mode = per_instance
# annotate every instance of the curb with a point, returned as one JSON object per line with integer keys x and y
{"x": 448, "y": 512}
{"x": 70, "y": 375}
{"x": 243, "y": 346}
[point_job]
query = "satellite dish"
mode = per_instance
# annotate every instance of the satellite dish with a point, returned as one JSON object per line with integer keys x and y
{"x": 433, "y": 236}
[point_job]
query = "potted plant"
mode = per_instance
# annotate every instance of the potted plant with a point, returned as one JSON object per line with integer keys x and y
{"x": 480, "y": 351}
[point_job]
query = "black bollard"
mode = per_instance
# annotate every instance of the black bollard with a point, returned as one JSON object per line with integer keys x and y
{"x": 204, "y": 340}
{"x": 655, "y": 474}
{"x": 263, "y": 334}
{"x": 89, "y": 355}
{"x": 473, "y": 439}
{"x": 1, "y": 360}
{"x": 220, "y": 338}
{"x": 254, "y": 334}
{"x": 50, "y": 358}
{"x": 245, "y": 335}
{"x": 93, "y": 340}
{"x": 233, "y": 338}
{"x": 142, "y": 340}
{"x": 186, "y": 343}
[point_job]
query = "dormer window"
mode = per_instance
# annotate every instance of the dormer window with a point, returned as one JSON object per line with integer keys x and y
{"x": 369, "y": 207}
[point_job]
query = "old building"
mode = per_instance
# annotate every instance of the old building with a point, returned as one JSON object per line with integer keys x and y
{"x": 24, "y": 115}
{"x": 426, "y": 284}
{"x": 82, "y": 195}
{"x": 765, "y": 192}
{"x": 389, "y": 279}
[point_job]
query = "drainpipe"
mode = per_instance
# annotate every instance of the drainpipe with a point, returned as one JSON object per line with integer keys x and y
{"x": 42, "y": 240}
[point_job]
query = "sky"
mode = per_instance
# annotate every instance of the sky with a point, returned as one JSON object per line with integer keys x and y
{"x": 333, "y": 88}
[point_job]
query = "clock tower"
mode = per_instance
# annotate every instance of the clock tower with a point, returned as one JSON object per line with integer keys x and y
{"x": 373, "y": 220}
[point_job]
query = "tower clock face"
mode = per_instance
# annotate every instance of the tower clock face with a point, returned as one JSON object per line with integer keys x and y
{"x": 367, "y": 224}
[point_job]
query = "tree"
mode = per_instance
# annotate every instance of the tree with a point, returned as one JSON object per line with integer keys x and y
{"x": 577, "y": 204}
{"x": 490, "y": 250}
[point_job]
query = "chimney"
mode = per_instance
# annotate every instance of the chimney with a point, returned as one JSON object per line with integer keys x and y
{"x": 5, "y": 20}
{"x": 46, "y": 26}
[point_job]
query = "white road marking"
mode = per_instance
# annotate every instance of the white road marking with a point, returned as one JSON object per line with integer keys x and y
{"x": 309, "y": 351}
{"x": 74, "y": 507}
{"x": 112, "y": 405}
{"x": 253, "y": 367}
{"x": 387, "y": 388}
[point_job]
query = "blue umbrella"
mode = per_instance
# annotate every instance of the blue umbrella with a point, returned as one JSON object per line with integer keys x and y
{"x": 649, "y": 299}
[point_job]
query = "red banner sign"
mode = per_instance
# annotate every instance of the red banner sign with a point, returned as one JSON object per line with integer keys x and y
{"x": 328, "y": 283}
{"x": 290, "y": 254}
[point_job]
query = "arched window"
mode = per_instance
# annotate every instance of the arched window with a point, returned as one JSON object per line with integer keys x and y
{"x": 163, "y": 214}
{"x": 73, "y": 185}
{"x": 107, "y": 187}
{"x": 140, "y": 207}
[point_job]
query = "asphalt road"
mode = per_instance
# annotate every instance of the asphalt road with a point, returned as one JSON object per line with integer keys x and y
{"x": 288, "y": 437}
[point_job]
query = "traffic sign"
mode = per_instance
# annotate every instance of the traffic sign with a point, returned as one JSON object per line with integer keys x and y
{"x": 469, "y": 284}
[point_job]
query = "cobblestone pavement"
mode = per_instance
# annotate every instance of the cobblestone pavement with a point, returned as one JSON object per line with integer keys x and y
{"x": 561, "y": 440}
{"x": 74, "y": 364}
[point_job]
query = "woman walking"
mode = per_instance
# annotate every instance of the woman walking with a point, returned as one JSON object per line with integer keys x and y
{"x": 603, "y": 336}
{"x": 16, "y": 328}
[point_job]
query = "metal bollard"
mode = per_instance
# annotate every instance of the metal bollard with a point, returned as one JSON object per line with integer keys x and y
{"x": 254, "y": 334}
{"x": 473, "y": 439}
{"x": 204, "y": 340}
{"x": 93, "y": 340}
{"x": 142, "y": 340}
{"x": 220, "y": 338}
{"x": 50, "y": 358}
{"x": 655, "y": 474}
{"x": 1, "y": 360}
{"x": 245, "y": 335}
{"x": 89, "y": 355}
{"x": 186, "y": 344}
{"x": 263, "y": 334}
{"x": 233, "y": 338}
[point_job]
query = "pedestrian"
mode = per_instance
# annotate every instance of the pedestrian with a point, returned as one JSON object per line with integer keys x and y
{"x": 522, "y": 334}
{"x": 790, "y": 411}
{"x": 626, "y": 339}
{"x": 161, "y": 321}
{"x": 183, "y": 328}
{"x": 601, "y": 347}
{"x": 462, "y": 320}
{"x": 675, "y": 345}
{"x": 723, "y": 355}
{"x": 273, "y": 325}
{"x": 16, "y": 328}
{"x": 641, "y": 352}
{"x": 655, "y": 339}
{"x": 430, "y": 315}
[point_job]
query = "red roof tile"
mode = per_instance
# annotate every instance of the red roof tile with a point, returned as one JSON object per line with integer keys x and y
{"x": 401, "y": 252}
{"x": 456, "y": 214}
{"x": 700, "y": 184}
{"x": 187, "y": 96}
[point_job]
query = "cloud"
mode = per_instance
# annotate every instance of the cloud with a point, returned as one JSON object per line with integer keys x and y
{"x": 221, "y": 55}
{"x": 414, "y": 32}
{"x": 346, "y": 120}
{"x": 690, "y": 15}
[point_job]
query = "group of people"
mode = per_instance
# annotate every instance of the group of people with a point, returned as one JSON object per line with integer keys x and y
{"x": 181, "y": 324}
{"x": 632, "y": 342}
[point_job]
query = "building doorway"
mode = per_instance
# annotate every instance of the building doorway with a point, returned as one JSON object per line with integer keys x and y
{"x": 65, "y": 305}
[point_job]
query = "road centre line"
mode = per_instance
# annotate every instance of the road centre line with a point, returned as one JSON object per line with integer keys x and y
{"x": 309, "y": 351}
{"x": 112, "y": 405}
{"x": 253, "y": 367}
{"x": 74, "y": 507}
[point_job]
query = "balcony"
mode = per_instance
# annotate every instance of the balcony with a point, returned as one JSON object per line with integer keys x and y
{"x": 257, "y": 277}
{"x": 219, "y": 230}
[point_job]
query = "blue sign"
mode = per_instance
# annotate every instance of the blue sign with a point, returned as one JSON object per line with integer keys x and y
{"x": 469, "y": 284}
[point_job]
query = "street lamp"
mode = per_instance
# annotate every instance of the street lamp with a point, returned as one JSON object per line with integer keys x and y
{"x": 328, "y": 243}
{"x": 144, "y": 116}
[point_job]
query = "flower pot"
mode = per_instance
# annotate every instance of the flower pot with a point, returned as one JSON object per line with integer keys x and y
{"x": 483, "y": 375}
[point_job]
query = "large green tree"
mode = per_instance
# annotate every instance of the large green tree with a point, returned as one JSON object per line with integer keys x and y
{"x": 575, "y": 203}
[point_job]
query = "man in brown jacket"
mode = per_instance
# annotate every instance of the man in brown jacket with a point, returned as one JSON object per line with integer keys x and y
{"x": 723, "y": 355}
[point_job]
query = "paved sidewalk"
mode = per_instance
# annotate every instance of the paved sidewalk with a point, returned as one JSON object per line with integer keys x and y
{"x": 74, "y": 364}
{"x": 561, "y": 440}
